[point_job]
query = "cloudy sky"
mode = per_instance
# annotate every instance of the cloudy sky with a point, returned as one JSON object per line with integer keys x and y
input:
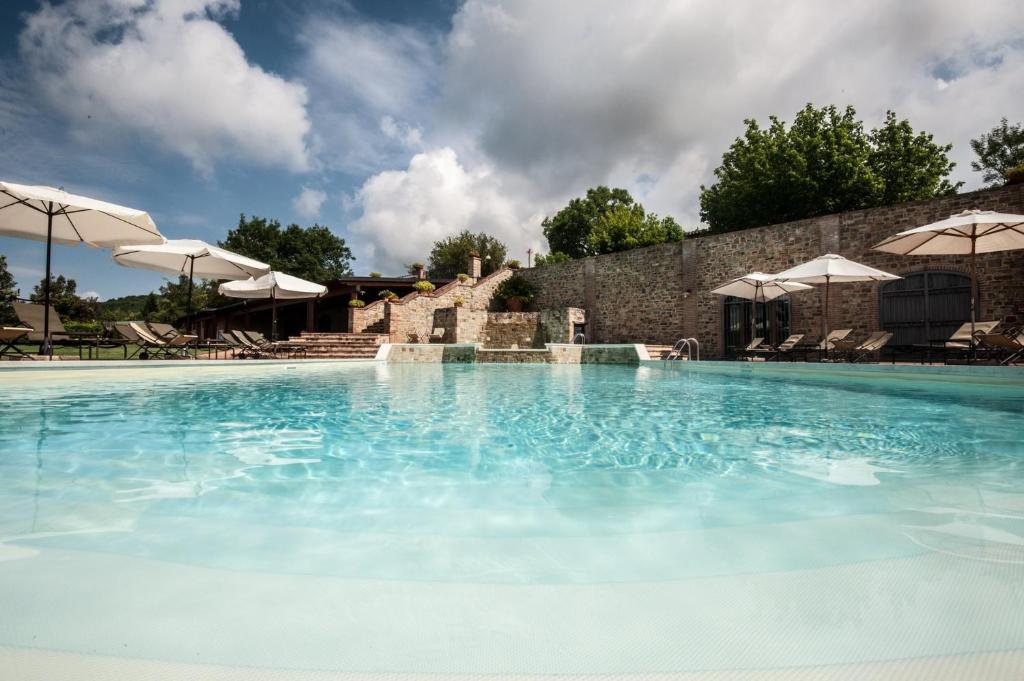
{"x": 399, "y": 122}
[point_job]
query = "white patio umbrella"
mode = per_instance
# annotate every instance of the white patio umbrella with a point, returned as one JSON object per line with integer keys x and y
{"x": 758, "y": 287}
{"x": 967, "y": 233}
{"x": 275, "y": 285}
{"x": 192, "y": 257}
{"x": 54, "y": 216}
{"x": 828, "y": 269}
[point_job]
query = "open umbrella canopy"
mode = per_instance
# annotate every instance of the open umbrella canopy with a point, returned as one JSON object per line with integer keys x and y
{"x": 832, "y": 268}
{"x": 50, "y": 214}
{"x": 191, "y": 257}
{"x": 828, "y": 269}
{"x": 758, "y": 286}
{"x": 972, "y": 231}
{"x": 967, "y": 233}
{"x": 54, "y": 216}
{"x": 277, "y": 285}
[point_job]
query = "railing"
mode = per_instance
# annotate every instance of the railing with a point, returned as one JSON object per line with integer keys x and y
{"x": 677, "y": 350}
{"x": 583, "y": 339}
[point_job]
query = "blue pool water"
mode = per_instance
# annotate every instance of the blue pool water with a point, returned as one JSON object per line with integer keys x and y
{"x": 510, "y": 519}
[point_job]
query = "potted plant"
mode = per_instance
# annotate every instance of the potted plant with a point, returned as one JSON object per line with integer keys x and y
{"x": 355, "y": 302}
{"x": 423, "y": 286}
{"x": 375, "y": 275}
{"x": 516, "y": 292}
{"x": 387, "y": 295}
{"x": 458, "y": 301}
{"x": 463, "y": 277}
{"x": 512, "y": 264}
{"x": 474, "y": 254}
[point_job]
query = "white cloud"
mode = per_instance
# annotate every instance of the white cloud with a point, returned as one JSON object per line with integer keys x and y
{"x": 167, "y": 71}
{"x": 307, "y": 204}
{"x": 540, "y": 100}
{"x": 90, "y": 294}
{"x": 405, "y": 211}
{"x": 373, "y": 84}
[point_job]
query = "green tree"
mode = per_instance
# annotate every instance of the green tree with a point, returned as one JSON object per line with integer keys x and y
{"x": 910, "y": 166}
{"x": 65, "y": 300}
{"x": 626, "y": 227}
{"x": 313, "y": 253}
{"x": 825, "y": 162}
{"x": 172, "y": 301}
{"x": 568, "y": 230}
{"x": 999, "y": 151}
{"x": 552, "y": 258}
{"x": 8, "y": 295}
{"x": 450, "y": 256}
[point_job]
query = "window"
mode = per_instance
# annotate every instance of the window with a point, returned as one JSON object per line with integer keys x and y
{"x": 770, "y": 321}
{"x": 925, "y": 306}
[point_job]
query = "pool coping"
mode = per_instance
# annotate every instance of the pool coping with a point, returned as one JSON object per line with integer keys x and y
{"x": 81, "y": 365}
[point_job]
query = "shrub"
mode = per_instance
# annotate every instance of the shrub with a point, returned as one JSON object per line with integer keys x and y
{"x": 512, "y": 264}
{"x": 516, "y": 287}
{"x": 355, "y": 302}
{"x": 458, "y": 301}
{"x": 83, "y": 327}
{"x": 550, "y": 259}
{"x": 463, "y": 276}
{"x": 423, "y": 286}
{"x": 387, "y": 295}
{"x": 1015, "y": 175}
{"x": 375, "y": 275}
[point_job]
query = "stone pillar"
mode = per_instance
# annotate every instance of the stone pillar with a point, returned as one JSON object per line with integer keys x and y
{"x": 421, "y": 271}
{"x": 311, "y": 315}
{"x": 594, "y": 331}
{"x": 392, "y": 319}
{"x": 474, "y": 265}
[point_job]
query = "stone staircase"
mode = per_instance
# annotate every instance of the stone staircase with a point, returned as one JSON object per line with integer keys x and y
{"x": 340, "y": 345}
{"x": 659, "y": 351}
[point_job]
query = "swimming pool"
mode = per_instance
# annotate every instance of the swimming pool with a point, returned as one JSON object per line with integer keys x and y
{"x": 450, "y": 519}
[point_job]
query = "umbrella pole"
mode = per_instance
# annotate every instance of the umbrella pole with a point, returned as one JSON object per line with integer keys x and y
{"x": 47, "y": 347}
{"x": 974, "y": 289}
{"x": 188, "y": 303}
{"x": 824, "y": 318}
{"x": 273, "y": 322}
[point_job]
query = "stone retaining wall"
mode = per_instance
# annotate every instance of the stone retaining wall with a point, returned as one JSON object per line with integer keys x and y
{"x": 662, "y": 293}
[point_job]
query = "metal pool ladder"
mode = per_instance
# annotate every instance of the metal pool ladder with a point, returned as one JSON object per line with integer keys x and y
{"x": 677, "y": 349}
{"x": 583, "y": 339}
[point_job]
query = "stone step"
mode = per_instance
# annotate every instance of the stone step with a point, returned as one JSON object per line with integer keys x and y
{"x": 659, "y": 351}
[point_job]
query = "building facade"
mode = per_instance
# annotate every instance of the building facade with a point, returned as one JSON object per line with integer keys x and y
{"x": 663, "y": 293}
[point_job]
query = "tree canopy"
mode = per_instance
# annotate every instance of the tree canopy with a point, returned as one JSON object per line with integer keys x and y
{"x": 8, "y": 294}
{"x": 313, "y": 253}
{"x": 824, "y": 162}
{"x": 65, "y": 300}
{"x": 999, "y": 151}
{"x": 626, "y": 227}
{"x": 568, "y": 231}
{"x": 450, "y": 256}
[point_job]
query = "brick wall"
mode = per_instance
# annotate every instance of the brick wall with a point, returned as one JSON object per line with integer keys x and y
{"x": 662, "y": 293}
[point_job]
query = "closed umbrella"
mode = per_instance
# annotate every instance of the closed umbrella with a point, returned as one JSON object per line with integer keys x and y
{"x": 758, "y": 287}
{"x": 54, "y": 216}
{"x": 275, "y": 285}
{"x": 192, "y": 257}
{"x": 828, "y": 269}
{"x": 967, "y": 233}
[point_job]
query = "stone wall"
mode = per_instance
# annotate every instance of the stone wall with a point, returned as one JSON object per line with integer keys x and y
{"x": 662, "y": 293}
{"x": 512, "y": 330}
{"x": 413, "y": 316}
{"x": 362, "y": 318}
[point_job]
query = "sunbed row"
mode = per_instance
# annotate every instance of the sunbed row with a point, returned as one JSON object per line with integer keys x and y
{"x": 980, "y": 342}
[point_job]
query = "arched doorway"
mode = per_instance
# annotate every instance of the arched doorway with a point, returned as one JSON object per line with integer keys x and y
{"x": 925, "y": 306}
{"x": 770, "y": 321}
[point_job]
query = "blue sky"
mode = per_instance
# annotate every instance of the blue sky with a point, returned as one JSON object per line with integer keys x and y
{"x": 399, "y": 122}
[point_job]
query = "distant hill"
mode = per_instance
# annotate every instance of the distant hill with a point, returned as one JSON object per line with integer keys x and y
{"x": 125, "y": 307}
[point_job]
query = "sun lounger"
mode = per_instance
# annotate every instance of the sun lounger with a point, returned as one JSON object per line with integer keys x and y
{"x": 784, "y": 348}
{"x": 33, "y": 316}
{"x": 274, "y": 347}
{"x": 854, "y": 352}
{"x": 10, "y": 336}
{"x": 751, "y": 347}
{"x": 149, "y": 344}
{"x": 1007, "y": 347}
{"x": 246, "y": 348}
{"x": 167, "y": 332}
{"x": 960, "y": 342}
{"x": 437, "y": 336}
